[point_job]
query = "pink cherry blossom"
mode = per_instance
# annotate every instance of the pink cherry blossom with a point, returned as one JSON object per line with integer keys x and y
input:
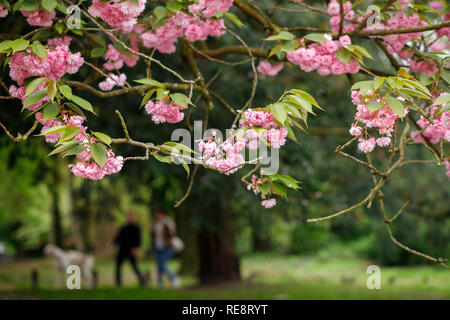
{"x": 163, "y": 111}
{"x": 39, "y": 17}
{"x": 118, "y": 13}
{"x": 270, "y": 203}
{"x": 366, "y": 145}
{"x": 266, "y": 68}
{"x": 3, "y": 12}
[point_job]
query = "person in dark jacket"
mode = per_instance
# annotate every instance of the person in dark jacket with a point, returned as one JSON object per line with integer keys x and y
{"x": 128, "y": 241}
{"x": 162, "y": 232}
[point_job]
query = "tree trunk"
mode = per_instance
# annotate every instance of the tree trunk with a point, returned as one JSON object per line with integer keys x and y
{"x": 218, "y": 259}
{"x": 57, "y": 237}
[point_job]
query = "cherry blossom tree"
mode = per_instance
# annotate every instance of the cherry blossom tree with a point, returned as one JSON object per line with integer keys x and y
{"x": 51, "y": 40}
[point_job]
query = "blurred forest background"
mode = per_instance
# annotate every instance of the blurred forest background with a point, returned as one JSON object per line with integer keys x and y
{"x": 221, "y": 222}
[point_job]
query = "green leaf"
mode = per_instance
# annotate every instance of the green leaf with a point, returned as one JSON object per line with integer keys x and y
{"x": 234, "y": 19}
{"x": 414, "y": 92}
{"x": 442, "y": 99}
{"x": 63, "y": 148}
{"x": 5, "y": 46}
{"x": 147, "y": 96}
{"x": 97, "y": 39}
{"x": 98, "y": 52}
{"x": 68, "y": 134}
{"x": 445, "y": 74}
{"x": 103, "y": 137}
{"x": 283, "y": 35}
{"x": 49, "y": 5}
{"x": 34, "y": 98}
{"x": 306, "y": 96}
{"x": 52, "y": 130}
{"x": 186, "y": 167}
{"x": 19, "y": 45}
{"x": 174, "y": 6}
{"x": 86, "y": 105}
{"x": 75, "y": 150}
{"x": 59, "y": 27}
{"x": 279, "y": 189}
{"x": 343, "y": 55}
{"x": 66, "y": 91}
{"x": 179, "y": 146}
{"x": 51, "y": 89}
{"x": 377, "y": 82}
{"x": 264, "y": 188}
{"x": 179, "y": 99}
{"x": 39, "y": 49}
{"x": 160, "y": 12}
{"x": 161, "y": 93}
{"x": 99, "y": 153}
{"x": 396, "y": 106}
{"x": 150, "y": 82}
{"x": 279, "y": 112}
{"x": 316, "y": 37}
{"x": 373, "y": 106}
{"x": 301, "y": 102}
{"x": 287, "y": 180}
{"x": 163, "y": 158}
{"x": 33, "y": 85}
{"x": 29, "y": 5}
{"x": 50, "y": 111}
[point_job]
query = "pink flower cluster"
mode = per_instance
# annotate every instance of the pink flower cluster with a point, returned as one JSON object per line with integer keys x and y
{"x": 164, "y": 111}
{"x": 39, "y": 17}
{"x": 258, "y": 118}
{"x": 269, "y": 203}
{"x": 56, "y": 64}
{"x": 264, "y": 67}
{"x": 426, "y": 67}
{"x": 47, "y": 124}
{"x": 224, "y": 156}
{"x": 209, "y": 7}
{"x": 383, "y": 119}
{"x": 444, "y": 31}
{"x": 322, "y": 57}
{"x": 437, "y": 130}
{"x": 3, "y": 12}
{"x": 397, "y": 42}
{"x": 115, "y": 59}
{"x": 118, "y": 13}
{"x": 334, "y": 11}
{"x": 193, "y": 28}
{"x": 91, "y": 170}
{"x": 113, "y": 80}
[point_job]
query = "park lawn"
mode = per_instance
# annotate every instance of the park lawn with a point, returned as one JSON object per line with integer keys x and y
{"x": 266, "y": 276}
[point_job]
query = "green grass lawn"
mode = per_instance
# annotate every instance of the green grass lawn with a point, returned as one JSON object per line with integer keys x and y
{"x": 267, "y": 276}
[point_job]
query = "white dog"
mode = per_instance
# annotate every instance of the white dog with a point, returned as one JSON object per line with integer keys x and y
{"x": 64, "y": 259}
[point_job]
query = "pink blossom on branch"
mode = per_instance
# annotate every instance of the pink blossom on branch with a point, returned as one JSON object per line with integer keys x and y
{"x": 117, "y": 13}
{"x": 268, "y": 69}
{"x": 3, "y": 12}
{"x": 39, "y": 17}
{"x": 164, "y": 111}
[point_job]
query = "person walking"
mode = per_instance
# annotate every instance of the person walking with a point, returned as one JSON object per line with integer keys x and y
{"x": 163, "y": 232}
{"x": 128, "y": 241}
